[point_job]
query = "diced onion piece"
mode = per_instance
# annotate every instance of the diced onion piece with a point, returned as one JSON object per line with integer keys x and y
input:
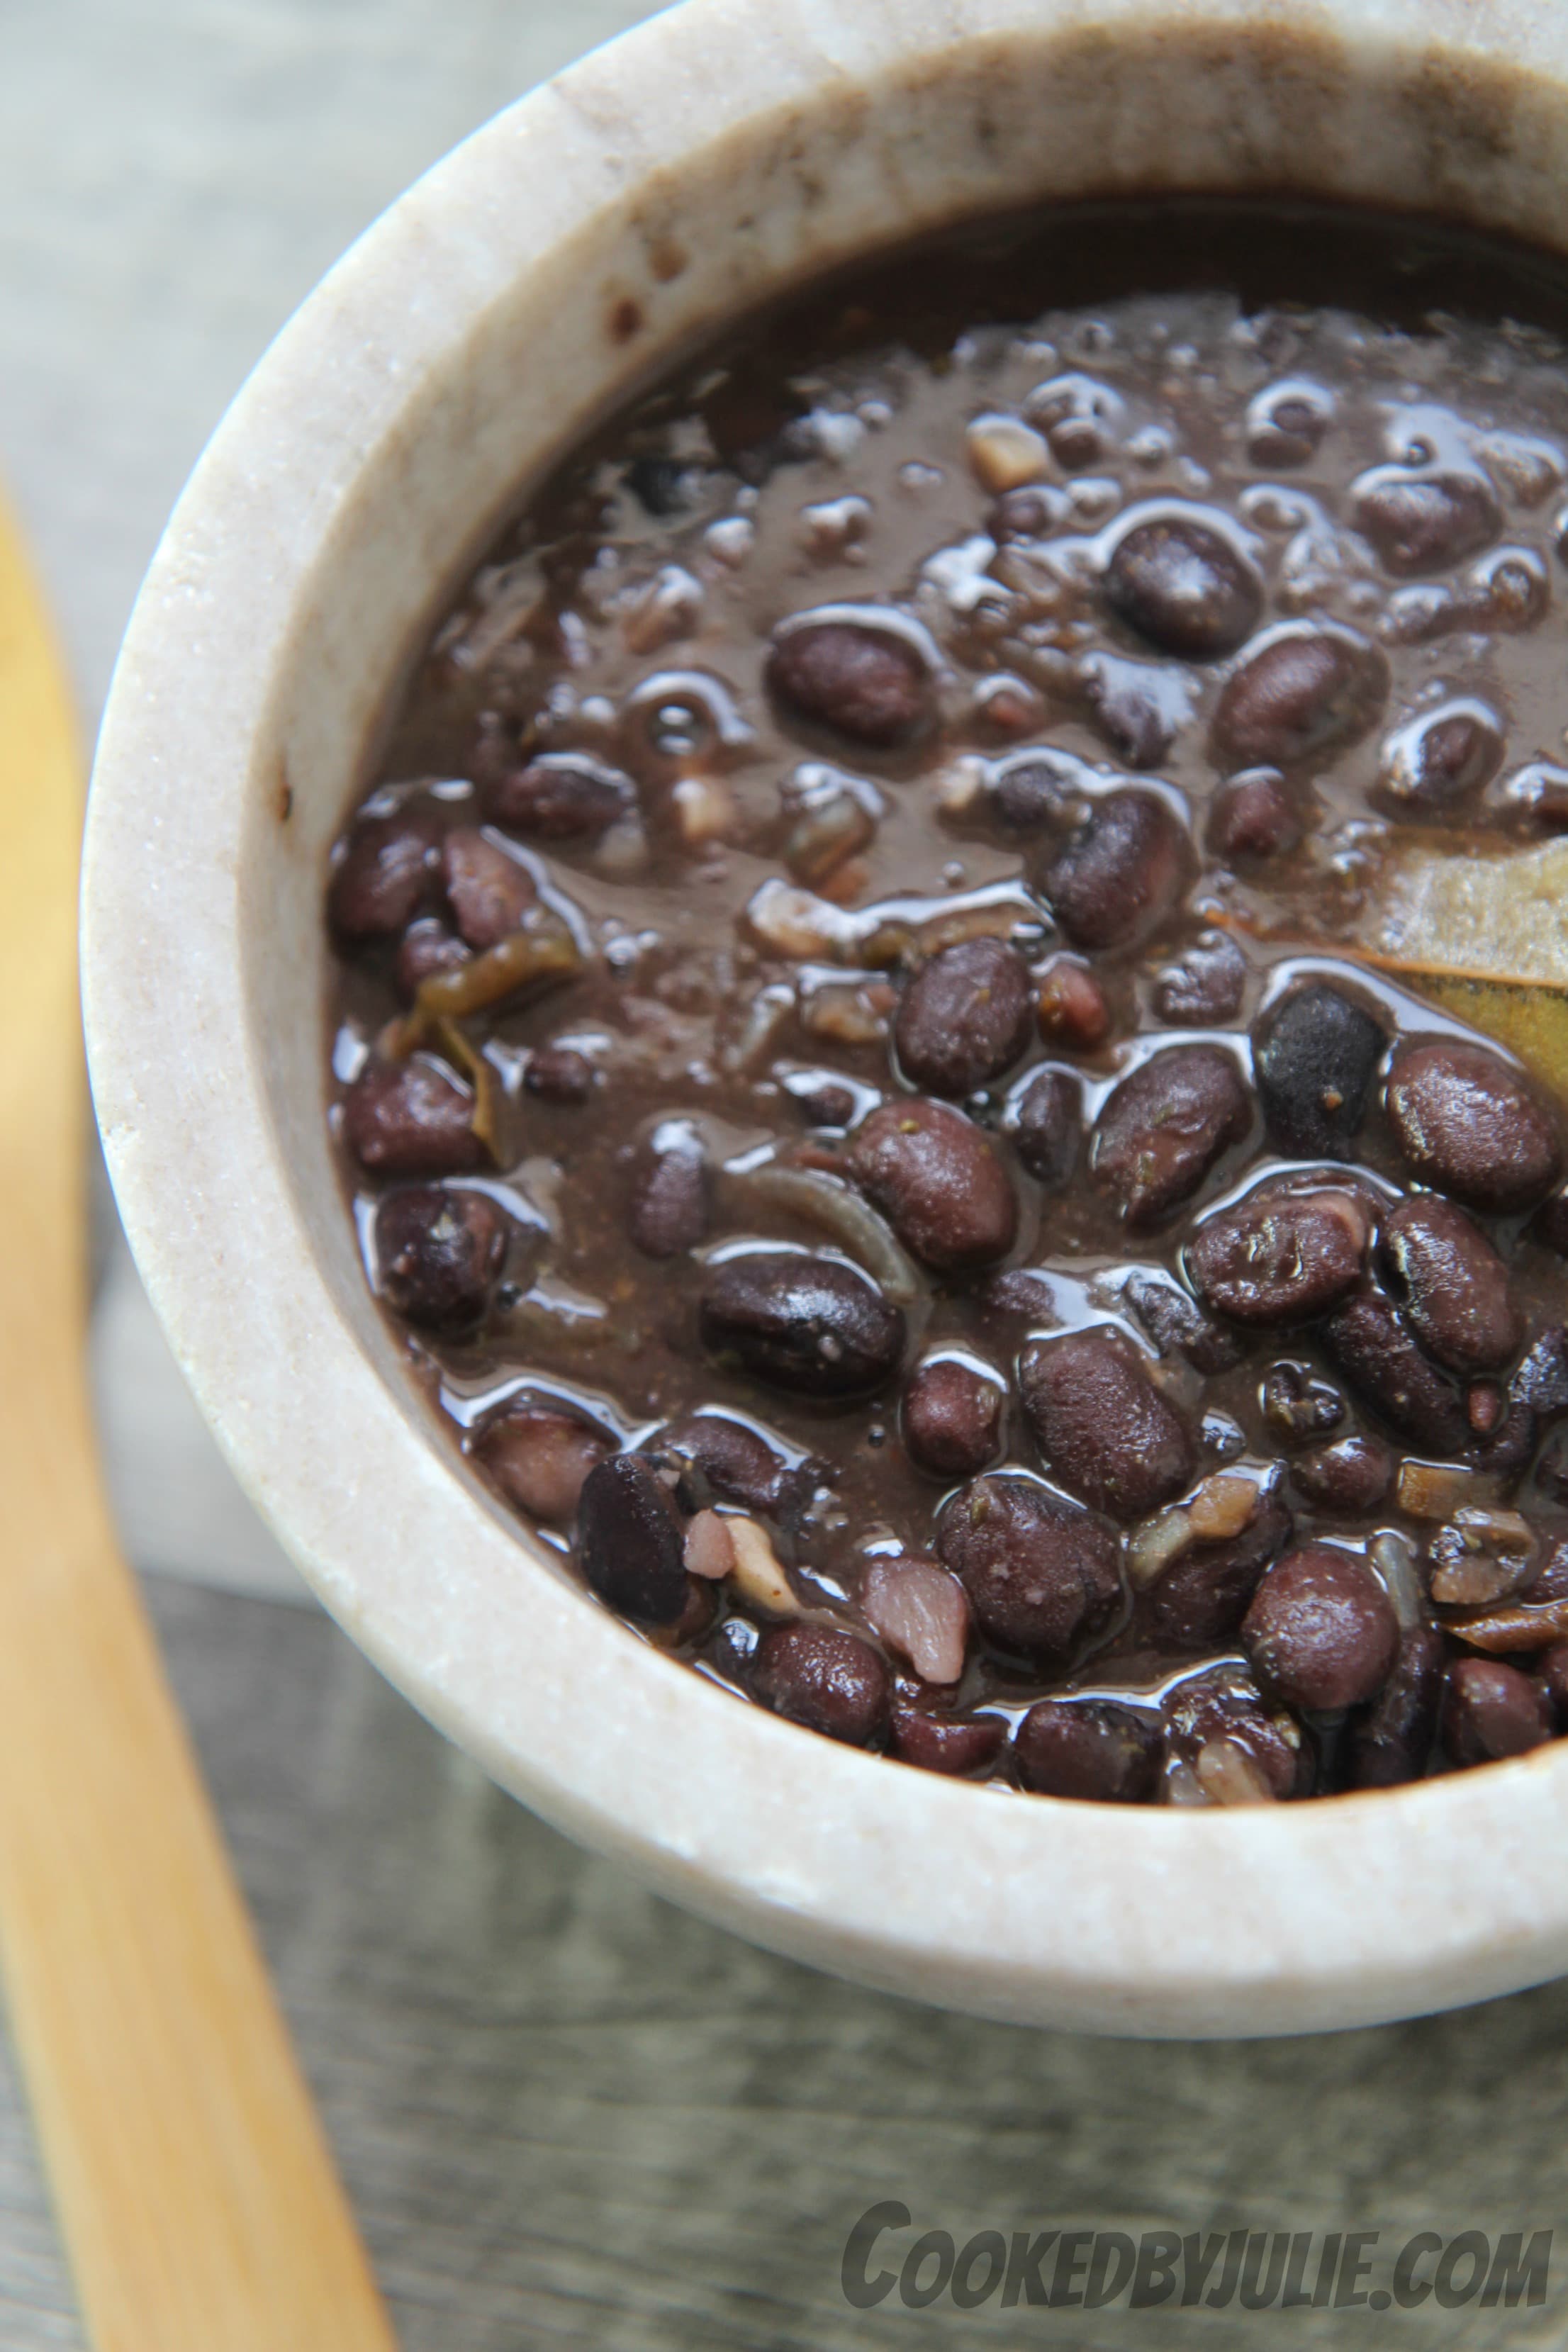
{"x": 919, "y": 1611}
{"x": 844, "y": 1016}
{"x": 1227, "y": 1775}
{"x": 544, "y": 949}
{"x": 833, "y": 829}
{"x": 1223, "y": 1506}
{"x": 669, "y": 608}
{"x": 1006, "y": 453}
{"x": 1160, "y": 1541}
{"x": 1182, "y": 1786}
{"x": 465, "y": 1055}
{"x": 705, "y": 810}
{"x": 756, "y": 1575}
{"x": 1393, "y": 1557}
{"x": 792, "y": 922}
{"x": 769, "y": 1010}
{"x": 823, "y": 1200}
{"x": 1220, "y": 1507}
{"x": 1533, "y": 1627}
{"x": 960, "y": 788}
{"x": 1435, "y": 1490}
{"x": 709, "y": 1547}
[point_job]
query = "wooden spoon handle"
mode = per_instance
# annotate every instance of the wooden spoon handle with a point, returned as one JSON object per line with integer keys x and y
{"x": 193, "y": 2186}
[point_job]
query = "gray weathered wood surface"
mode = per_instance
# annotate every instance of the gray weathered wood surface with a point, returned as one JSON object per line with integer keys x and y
{"x": 568, "y": 2114}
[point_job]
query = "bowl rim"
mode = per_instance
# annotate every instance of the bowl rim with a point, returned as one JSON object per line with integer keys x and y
{"x": 1045, "y": 1910}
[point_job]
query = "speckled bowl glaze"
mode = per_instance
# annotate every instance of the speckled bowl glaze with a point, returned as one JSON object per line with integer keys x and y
{"x": 524, "y": 286}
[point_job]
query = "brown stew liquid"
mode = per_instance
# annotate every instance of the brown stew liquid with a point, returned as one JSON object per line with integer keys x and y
{"x": 849, "y": 1052}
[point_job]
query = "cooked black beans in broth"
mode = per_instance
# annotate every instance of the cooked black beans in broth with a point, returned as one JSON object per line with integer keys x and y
{"x": 853, "y": 1055}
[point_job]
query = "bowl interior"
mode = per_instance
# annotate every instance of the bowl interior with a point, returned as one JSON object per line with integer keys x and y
{"x": 525, "y": 287}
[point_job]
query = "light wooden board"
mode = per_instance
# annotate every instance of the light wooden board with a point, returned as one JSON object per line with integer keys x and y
{"x": 193, "y": 2187}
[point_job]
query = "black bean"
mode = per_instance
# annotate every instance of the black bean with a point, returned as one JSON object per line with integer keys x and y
{"x": 561, "y": 796}
{"x": 1007, "y": 707}
{"x": 1424, "y": 522}
{"x": 854, "y": 678}
{"x": 1391, "y": 1743}
{"x": 671, "y": 1192}
{"x": 1485, "y": 1406}
{"x": 1322, "y": 1632}
{"x": 1299, "y": 1402}
{"x": 1281, "y": 1255}
{"x": 957, "y": 1745}
{"x": 696, "y": 1619}
{"x": 439, "y": 1254}
{"x": 1196, "y": 1606}
{"x": 411, "y": 1119}
{"x": 803, "y": 1324}
{"x": 1469, "y": 1125}
{"x": 1120, "y": 872}
{"x": 1106, "y": 1432}
{"x": 1138, "y": 707}
{"x": 965, "y": 1018}
{"x": 1089, "y": 1749}
{"x": 1491, "y": 1710}
{"x": 1204, "y": 991}
{"x": 1504, "y": 1451}
{"x": 1452, "y": 1284}
{"x": 1535, "y": 796}
{"x": 1549, "y": 1226}
{"x": 952, "y": 1417}
{"x": 1026, "y": 513}
{"x": 662, "y": 485}
{"x": 937, "y": 1179}
{"x": 629, "y": 1540}
{"x": 1286, "y": 423}
{"x": 540, "y": 1458}
{"x": 1071, "y": 1006}
{"x": 1165, "y": 1128}
{"x": 558, "y": 1074}
{"x": 821, "y": 1100}
{"x": 1542, "y": 1381}
{"x": 1383, "y": 1363}
{"x": 429, "y": 945}
{"x": 1254, "y": 815}
{"x": 735, "y": 1464}
{"x": 1552, "y": 1469}
{"x": 1048, "y": 1126}
{"x": 385, "y": 874}
{"x": 1041, "y": 1574}
{"x": 1199, "y": 1713}
{"x": 1034, "y": 790}
{"x": 1178, "y": 1325}
{"x": 1346, "y": 1479}
{"x": 1307, "y": 688}
{"x": 1185, "y": 585}
{"x": 1552, "y": 1679}
{"x": 1025, "y": 1291}
{"x": 1440, "y": 758}
{"x": 489, "y": 892}
{"x": 828, "y": 1680}
{"x": 1315, "y": 1058}
{"x": 1077, "y": 442}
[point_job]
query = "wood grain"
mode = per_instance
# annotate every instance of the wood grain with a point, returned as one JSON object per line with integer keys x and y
{"x": 195, "y": 2188}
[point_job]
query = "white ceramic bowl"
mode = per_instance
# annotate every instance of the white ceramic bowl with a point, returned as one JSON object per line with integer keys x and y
{"x": 722, "y": 150}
